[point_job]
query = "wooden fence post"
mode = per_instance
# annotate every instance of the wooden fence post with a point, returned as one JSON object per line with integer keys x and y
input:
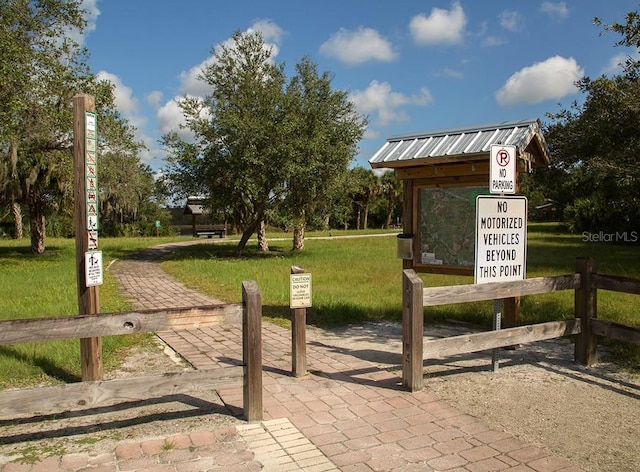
{"x": 585, "y": 302}
{"x": 252, "y": 350}
{"x": 298, "y": 335}
{"x": 88, "y": 297}
{"x": 412, "y": 331}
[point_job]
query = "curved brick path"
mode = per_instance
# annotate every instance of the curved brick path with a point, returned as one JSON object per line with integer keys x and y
{"x": 348, "y": 414}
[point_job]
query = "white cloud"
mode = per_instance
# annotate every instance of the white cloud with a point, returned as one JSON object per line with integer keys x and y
{"x": 616, "y": 63}
{"x": 126, "y": 103}
{"x": 379, "y": 98}
{"x": 154, "y": 98}
{"x": 190, "y": 82}
{"x": 90, "y": 12}
{"x": 557, "y": 11}
{"x": 510, "y": 20}
{"x": 440, "y": 27}
{"x": 491, "y": 41}
{"x": 449, "y": 72}
{"x": 357, "y": 47}
{"x": 128, "y": 106}
{"x": 271, "y": 33}
{"x": 170, "y": 117}
{"x": 550, "y": 79}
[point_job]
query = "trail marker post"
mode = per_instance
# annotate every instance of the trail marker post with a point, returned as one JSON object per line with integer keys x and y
{"x": 88, "y": 258}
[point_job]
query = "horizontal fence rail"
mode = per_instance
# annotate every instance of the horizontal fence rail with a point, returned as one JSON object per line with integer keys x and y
{"x": 42, "y": 400}
{"x": 466, "y": 343}
{"x": 246, "y": 373}
{"x": 433, "y": 296}
{"x": 108, "y": 324}
{"x": 617, "y": 331}
{"x": 616, "y": 283}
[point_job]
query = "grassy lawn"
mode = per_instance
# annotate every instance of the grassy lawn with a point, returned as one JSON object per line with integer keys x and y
{"x": 45, "y": 286}
{"x": 360, "y": 279}
{"x": 353, "y": 280}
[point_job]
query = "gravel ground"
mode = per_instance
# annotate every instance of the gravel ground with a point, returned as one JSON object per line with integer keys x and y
{"x": 590, "y": 416}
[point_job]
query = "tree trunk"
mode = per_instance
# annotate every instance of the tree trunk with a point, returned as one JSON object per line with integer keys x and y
{"x": 247, "y": 233}
{"x": 38, "y": 233}
{"x": 298, "y": 238}
{"x": 17, "y": 220}
{"x": 366, "y": 217}
{"x": 358, "y": 218}
{"x": 263, "y": 244}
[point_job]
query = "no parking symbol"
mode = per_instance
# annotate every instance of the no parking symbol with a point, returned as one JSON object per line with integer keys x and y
{"x": 503, "y": 169}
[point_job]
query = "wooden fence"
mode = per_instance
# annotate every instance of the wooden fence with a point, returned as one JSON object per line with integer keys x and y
{"x": 41, "y": 400}
{"x": 585, "y": 326}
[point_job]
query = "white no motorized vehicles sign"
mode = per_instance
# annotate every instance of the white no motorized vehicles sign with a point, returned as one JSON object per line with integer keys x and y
{"x": 501, "y": 239}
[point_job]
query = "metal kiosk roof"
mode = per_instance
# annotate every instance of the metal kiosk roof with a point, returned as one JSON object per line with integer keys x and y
{"x": 462, "y": 146}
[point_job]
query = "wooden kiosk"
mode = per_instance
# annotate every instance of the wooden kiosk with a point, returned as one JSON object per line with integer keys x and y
{"x": 442, "y": 173}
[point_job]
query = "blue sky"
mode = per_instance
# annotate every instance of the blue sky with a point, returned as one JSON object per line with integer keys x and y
{"x": 411, "y": 66}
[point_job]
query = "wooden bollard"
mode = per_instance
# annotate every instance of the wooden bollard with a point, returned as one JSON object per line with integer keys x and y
{"x": 298, "y": 335}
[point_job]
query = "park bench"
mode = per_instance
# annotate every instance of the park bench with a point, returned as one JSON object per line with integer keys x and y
{"x": 211, "y": 232}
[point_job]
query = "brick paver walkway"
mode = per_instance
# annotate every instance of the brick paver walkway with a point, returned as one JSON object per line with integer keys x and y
{"x": 347, "y": 414}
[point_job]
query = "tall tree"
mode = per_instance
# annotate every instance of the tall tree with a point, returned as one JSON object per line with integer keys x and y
{"x": 364, "y": 185}
{"x": 595, "y": 148}
{"x": 392, "y": 194}
{"x": 238, "y": 156}
{"x": 324, "y": 132}
{"x": 37, "y": 62}
{"x": 42, "y": 69}
{"x": 262, "y": 145}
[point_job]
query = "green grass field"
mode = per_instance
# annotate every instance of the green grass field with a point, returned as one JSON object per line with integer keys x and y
{"x": 354, "y": 280}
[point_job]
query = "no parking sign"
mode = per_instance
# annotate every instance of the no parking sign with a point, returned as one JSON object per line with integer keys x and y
{"x": 503, "y": 169}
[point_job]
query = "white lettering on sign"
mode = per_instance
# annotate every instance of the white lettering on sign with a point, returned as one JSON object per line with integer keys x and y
{"x": 501, "y": 239}
{"x": 300, "y": 291}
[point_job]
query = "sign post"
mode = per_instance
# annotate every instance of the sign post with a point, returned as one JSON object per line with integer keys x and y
{"x": 501, "y": 246}
{"x": 300, "y": 300}
{"x": 88, "y": 258}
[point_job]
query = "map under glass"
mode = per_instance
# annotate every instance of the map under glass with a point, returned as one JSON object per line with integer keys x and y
{"x": 447, "y": 225}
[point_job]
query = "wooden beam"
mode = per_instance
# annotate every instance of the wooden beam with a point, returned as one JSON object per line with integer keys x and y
{"x": 497, "y": 290}
{"x": 616, "y": 283}
{"x": 450, "y": 170}
{"x": 412, "y": 331}
{"x": 586, "y": 308}
{"x": 252, "y": 350}
{"x": 443, "y": 269}
{"x": 82, "y": 395}
{"x": 108, "y": 324}
{"x": 298, "y": 335}
{"x": 454, "y": 181}
{"x": 409, "y": 215}
{"x": 464, "y": 344}
{"x": 615, "y": 330}
{"x": 431, "y": 161}
{"x": 88, "y": 297}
